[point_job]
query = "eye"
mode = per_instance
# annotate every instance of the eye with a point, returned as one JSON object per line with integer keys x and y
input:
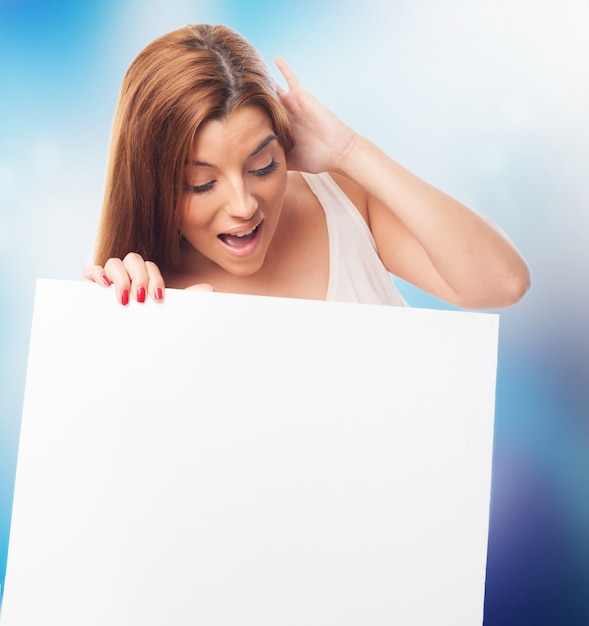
{"x": 264, "y": 171}
{"x": 201, "y": 188}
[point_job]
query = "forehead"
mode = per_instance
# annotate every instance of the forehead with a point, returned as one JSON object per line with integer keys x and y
{"x": 240, "y": 131}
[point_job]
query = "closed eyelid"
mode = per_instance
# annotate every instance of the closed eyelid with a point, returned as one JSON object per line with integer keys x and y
{"x": 261, "y": 154}
{"x": 260, "y": 171}
{"x": 202, "y": 187}
{"x": 263, "y": 159}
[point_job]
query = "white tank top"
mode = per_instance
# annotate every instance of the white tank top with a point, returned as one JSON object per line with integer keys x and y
{"x": 356, "y": 273}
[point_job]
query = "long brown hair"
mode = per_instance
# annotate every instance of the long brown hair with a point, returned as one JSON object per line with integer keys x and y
{"x": 177, "y": 83}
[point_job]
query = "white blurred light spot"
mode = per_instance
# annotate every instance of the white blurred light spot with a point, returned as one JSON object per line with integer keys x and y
{"x": 490, "y": 160}
{"x": 517, "y": 114}
{"x": 47, "y": 156}
{"x": 8, "y": 184}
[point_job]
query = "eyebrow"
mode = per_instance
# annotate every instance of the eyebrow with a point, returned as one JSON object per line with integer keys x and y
{"x": 264, "y": 143}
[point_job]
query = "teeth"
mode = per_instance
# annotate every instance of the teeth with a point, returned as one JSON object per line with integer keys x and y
{"x": 249, "y": 232}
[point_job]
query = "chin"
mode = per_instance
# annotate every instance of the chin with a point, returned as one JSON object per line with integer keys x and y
{"x": 244, "y": 268}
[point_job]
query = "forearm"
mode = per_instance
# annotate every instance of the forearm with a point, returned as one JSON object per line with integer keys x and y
{"x": 477, "y": 263}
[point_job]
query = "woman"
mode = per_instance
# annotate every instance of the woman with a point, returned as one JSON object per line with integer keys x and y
{"x": 219, "y": 179}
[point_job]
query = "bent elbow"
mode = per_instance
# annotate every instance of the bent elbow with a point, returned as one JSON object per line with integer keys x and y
{"x": 517, "y": 285}
{"x": 500, "y": 293}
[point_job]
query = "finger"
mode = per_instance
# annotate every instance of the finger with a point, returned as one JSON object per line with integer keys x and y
{"x": 291, "y": 80}
{"x": 137, "y": 271}
{"x": 119, "y": 276}
{"x": 96, "y": 274}
{"x": 156, "y": 283}
{"x": 281, "y": 91}
{"x": 201, "y": 287}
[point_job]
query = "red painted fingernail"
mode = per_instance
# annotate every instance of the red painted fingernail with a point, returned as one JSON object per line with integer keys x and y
{"x": 106, "y": 280}
{"x": 158, "y": 293}
{"x": 141, "y": 294}
{"x": 125, "y": 297}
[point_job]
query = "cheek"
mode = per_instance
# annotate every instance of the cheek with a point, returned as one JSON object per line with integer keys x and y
{"x": 278, "y": 190}
{"x": 184, "y": 211}
{"x": 194, "y": 215}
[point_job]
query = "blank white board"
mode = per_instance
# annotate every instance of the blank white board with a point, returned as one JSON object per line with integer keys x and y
{"x": 221, "y": 459}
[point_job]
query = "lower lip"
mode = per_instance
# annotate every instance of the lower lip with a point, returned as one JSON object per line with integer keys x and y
{"x": 247, "y": 247}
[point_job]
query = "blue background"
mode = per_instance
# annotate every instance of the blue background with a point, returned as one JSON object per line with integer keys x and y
{"x": 489, "y": 101}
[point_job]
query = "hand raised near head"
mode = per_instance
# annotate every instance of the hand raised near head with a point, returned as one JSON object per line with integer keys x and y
{"x": 321, "y": 138}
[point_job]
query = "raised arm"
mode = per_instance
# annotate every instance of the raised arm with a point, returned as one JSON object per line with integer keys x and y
{"x": 422, "y": 234}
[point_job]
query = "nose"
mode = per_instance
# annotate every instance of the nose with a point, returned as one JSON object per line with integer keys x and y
{"x": 240, "y": 203}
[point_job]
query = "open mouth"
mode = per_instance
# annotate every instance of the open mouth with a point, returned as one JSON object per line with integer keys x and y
{"x": 243, "y": 242}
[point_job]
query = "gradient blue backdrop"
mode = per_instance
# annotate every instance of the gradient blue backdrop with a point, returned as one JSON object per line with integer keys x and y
{"x": 488, "y": 101}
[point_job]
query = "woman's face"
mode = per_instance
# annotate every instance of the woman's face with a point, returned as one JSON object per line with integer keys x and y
{"x": 236, "y": 181}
